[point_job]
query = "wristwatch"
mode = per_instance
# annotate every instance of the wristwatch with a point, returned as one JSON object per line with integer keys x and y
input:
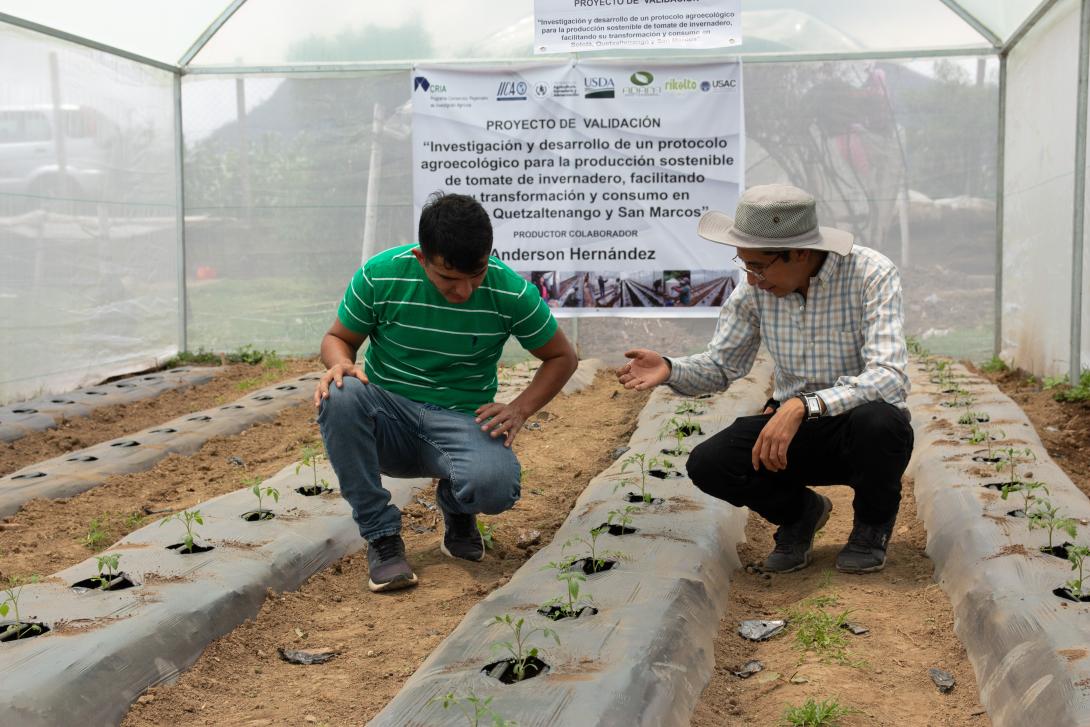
{"x": 812, "y": 404}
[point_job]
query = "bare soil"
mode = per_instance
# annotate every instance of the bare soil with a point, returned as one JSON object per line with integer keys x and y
{"x": 382, "y": 639}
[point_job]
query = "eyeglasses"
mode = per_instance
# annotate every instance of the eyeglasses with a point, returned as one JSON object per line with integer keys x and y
{"x": 758, "y": 273}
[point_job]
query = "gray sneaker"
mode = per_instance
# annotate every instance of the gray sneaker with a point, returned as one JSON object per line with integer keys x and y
{"x": 461, "y": 538}
{"x": 387, "y": 568}
{"x": 866, "y": 548}
{"x": 795, "y": 542}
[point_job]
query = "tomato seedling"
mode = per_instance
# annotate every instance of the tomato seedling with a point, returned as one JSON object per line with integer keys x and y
{"x": 1076, "y": 554}
{"x": 478, "y": 712}
{"x": 187, "y": 518}
{"x": 519, "y": 646}
{"x": 312, "y": 454}
{"x": 1047, "y": 517}
{"x": 594, "y": 557}
{"x": 12, "y": 590}
{"x": 254, "y": 483}
{"x": 573, "y": 600}
{"x": 109, "y": 564}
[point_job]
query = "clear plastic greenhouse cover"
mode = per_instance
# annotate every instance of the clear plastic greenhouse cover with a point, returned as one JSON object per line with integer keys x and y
{"x": 88, "y": 278}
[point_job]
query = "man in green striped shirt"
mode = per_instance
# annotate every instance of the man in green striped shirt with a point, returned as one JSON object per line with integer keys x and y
{"x": 437, "y": 315}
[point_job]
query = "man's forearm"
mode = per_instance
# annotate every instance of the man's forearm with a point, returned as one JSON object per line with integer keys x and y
{"x": 336, "y": 351}
{"x": 548, "y": 381}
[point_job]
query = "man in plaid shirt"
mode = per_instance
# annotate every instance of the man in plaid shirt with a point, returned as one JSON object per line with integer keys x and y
{"x": 830, "y": 315}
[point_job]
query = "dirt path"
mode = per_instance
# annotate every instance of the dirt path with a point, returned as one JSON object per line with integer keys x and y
{"x": 882, "y": 674}
{"x": 110, "y": 422}
{"x": 383, "y": 638}
{"x": 49, "y": 535}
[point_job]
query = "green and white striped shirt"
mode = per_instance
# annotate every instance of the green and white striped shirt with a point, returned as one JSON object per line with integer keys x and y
{"x": 433, "y": 351}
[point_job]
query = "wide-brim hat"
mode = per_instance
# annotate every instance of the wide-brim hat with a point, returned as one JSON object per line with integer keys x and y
{"x": 774, "y": 217}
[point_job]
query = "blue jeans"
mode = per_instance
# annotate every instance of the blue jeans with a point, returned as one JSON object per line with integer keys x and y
{"x": 369, "y": 431}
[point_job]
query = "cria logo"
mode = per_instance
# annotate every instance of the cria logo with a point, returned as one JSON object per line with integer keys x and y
{"x": 420, "y": 82}
{"x": 598, "y": 87}
{"x": 641, "y": 78}
{"x": 511, "y": 91}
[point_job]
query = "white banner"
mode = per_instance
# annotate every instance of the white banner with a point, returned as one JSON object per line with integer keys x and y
{"x": 563, "y": 26}
{"x": 594, "y": 173}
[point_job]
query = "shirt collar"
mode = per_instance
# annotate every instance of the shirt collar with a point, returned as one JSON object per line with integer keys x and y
{"x": 828, "y": 268}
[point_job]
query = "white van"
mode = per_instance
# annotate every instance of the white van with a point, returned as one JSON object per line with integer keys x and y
{"x": 36, "y": 161}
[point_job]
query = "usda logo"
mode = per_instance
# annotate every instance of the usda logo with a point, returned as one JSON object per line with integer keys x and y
{"x": 641, "y": 78}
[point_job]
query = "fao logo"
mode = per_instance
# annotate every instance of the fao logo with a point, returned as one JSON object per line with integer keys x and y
{"x": 541, "y": 90}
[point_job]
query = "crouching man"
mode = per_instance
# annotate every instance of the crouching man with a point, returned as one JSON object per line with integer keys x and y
{"x": 436, "y": 315}
{"x": 830, "y": 315}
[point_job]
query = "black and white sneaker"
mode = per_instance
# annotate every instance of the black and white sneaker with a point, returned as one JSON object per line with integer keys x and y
{"x": 795, "y": 542}
{"x": 387, "y": 568}
{"x": 461, "y": 538}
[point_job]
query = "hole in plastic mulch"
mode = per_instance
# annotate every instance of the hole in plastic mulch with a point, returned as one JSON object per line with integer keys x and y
{"x": 95, "y": 393}
{"x": 61, "y": 401}
{"x": 178, "y": 371}
{"x": 24, "y": 411}
{"x": 590, "y": 567}
{"x": 309, "y": 378}
{"x": 556, "y": 613}
{"x": 263, "y": 397}
{"x": 311, "y": 490}
{"x": 665, "y": 474}
{"x": 688, "y": 430}
{"x": 233, "y": 406}
{"x": 164, "y": 430}
{"x": 617, "y": 529}
{"x": 505, "y": 670}
{"x": 200, "y": 418}
{"x": 1068, "y": 595}
{"x": 126, "y": 443}
{"x": 29, "y": 476}
{"x": 675, "y": 452}
{"x": 1056, "y": 551}
{"x": 286, "y": 387}
{"x": 151, "y": 378}
{"x": 1016, "y": 513}
{"x": 124, "y": 385}
{"x": 1010, "y": 485}
{"x": 637, "y": 497}
{"x": 82, "y": 458}
{"x": 254, "y": 516}
{"x": 118, "y": 583}
{"x": 986, "y": 458}
{"x": 182, "y": 550}
{"x": 11, "y": 631}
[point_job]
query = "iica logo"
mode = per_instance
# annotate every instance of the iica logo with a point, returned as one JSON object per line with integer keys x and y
{"x": 420, "y": 82}
{"x": 641, "y": 78}
{"x": 511, "y": 91}
{"x": 598, "y": 87}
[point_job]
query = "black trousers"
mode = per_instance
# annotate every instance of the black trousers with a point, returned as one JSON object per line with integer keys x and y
{"x": 867, "y": 447}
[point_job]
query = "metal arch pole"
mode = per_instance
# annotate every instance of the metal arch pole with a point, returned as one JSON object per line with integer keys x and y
{"x": 86, "y": 42}
{"x": 211, "y": 30}
{"x": 179, "y": 216}
{"x": 1000, "y": 199}
{"x": 1027, "y": 25}
{"x": 1078, "y": 238}
{"x": 972, "y": 21}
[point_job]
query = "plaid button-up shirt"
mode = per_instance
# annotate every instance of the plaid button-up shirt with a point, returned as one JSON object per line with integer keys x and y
{"x": 844, "y": 341}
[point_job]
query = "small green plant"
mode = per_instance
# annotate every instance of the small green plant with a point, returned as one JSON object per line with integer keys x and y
{"x": 187, "y": 518}
{"x": 1051, "y": 382}
{"x": 134, "y": 520}
{"x": 645, "y": 464}
{"x": 487, "y": 531}
{"x": 971, "y": 418}
{"x": 916, "y": 347}
{"x": 96, "y": 533}
{"x": 689, "y": 406}
{"x": 107, "y": 569}
{"x": 994, "y": 365}
{"x": 596, "y": 558}
{"x": 985, "y": 436}
{"x": 673, "y": 428}
{"x": 519, "y": 646}
{"x": 478, "y": 712}
{"x": 622, "y": 518}
{"x": 12, "y": 590}
{"x": 826, "y": 713}
{"x": 1026, "y": 490}
{"x": 1076, "y": 393}
{"x": 820, "y": 631}
{"x": 573, "y": 599}
{"x": 1076, "y": 554}
{"x": 312, "y": 454}
{"x": 1010, "y": 458}
{"x": 189, "y": 357}
{"x": 249, "y": 355}
{"x": 1047, "y": 517}
{"x": 254, "y": 483}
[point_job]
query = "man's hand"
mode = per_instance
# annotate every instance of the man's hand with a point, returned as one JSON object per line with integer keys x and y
{"x": 336, "y": 374}
{"x": 505, "y": 419}
{"x": 646, "y": 370}
{"x": 771, "y": 447}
